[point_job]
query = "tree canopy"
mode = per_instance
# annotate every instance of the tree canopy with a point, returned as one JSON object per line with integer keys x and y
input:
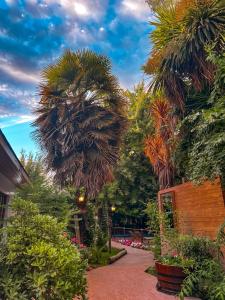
{"x": 80, "y": 120}
{"x": 187, "y": 65}
{"x": 135, "y": 184}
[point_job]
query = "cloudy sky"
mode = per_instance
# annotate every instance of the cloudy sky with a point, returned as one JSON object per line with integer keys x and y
{"x": 34, "y": 33}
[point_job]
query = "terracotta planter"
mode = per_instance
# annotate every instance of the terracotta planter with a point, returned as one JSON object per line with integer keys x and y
{"x": 170, "y": 278}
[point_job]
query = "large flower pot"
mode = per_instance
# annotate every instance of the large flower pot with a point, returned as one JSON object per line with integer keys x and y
{"x": 170, "y": 278}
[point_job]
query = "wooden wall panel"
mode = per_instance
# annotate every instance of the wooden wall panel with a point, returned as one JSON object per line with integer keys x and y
{"x": 200, "y": 209}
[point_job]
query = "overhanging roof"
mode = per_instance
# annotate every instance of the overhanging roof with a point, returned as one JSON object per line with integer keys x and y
{"x": 10, "y": 166}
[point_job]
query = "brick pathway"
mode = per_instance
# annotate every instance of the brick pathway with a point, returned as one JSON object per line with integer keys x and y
{"x": 125, "y": 279}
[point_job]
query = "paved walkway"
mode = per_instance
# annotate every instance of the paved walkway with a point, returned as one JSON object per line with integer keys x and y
{"x": 125, "y": 279}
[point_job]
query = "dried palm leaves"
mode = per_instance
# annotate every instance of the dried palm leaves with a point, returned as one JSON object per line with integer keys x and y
{"x": 80, "y": 120}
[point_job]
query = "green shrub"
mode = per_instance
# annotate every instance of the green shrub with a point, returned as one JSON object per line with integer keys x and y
{"x": 206, "y": 279}
{"x": 177, "y": 261}
{"x": 37, "y": 259}
{"x": 195, "y": 247}
{"x": 152, "y": 212}
{"x": 155, "y": 246}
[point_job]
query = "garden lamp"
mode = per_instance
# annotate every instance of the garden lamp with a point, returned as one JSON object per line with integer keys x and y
{"x": 81, "y": 199}
{"x": 113, "y": 208}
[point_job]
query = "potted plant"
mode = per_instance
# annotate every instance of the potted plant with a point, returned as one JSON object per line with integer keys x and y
{"x": 170, "y": 273}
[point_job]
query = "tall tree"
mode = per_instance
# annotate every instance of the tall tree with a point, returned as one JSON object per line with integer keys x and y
{"x": 135, "y": 183}
{"x": 185, "y": 32}
{"x": 80, "y": 120}
{"x": 178, "y": 61}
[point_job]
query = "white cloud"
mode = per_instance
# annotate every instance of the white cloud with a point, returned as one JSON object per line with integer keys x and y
{"x": 16, "y": 101}
{"x": 18, "y": 74}
{"x": 3, "y": 87}
{"x": 76, "y": 34}
{"x": 93, "y": 9}
{"x": 10, "y": 2}
{"x": 113, "y": 24}
{"x": 81, "y": 9}
{"x": 135, "y": 8}
{"x": 16, "y": 120}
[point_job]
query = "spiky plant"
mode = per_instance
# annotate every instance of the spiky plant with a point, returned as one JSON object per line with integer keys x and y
{"x": 159, "y": 147}
{"x": 183, "y": 29}
{"x": 80, "y": 120}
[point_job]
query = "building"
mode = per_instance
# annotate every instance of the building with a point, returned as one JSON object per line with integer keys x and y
{"x": 12, "y": 175}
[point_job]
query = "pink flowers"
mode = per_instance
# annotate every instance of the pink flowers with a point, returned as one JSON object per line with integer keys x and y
{"x": 133, "y": 244}
{"x": 125, "y": 242}
{"x": 75, "y": 241}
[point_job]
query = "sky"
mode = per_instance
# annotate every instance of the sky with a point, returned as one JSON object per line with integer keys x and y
{"x": 34, "y": 33}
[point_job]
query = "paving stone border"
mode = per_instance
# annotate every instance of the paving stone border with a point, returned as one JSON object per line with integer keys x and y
{"x": 120, "y": 254}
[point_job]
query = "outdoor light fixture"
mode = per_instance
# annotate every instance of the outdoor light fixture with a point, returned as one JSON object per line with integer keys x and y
{"x": 113, "y": 208}
{"x": 81, "y": 199}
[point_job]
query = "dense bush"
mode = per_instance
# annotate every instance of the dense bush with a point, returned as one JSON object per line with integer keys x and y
{"x": 37, "y": 260}
{"x": 206, "y": 278}
{"x": 196, "y": 247}
{"x": 200, "y": 154}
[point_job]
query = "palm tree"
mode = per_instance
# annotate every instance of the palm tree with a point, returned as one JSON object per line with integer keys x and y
{"x": 178, "y": 60}
{"x": 159, "y": 146}
{"x": 81, "y": 120}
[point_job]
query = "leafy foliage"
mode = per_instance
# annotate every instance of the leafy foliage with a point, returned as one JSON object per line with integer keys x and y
{"x": 187, "y": 64}
{"x": 176, "y": 261}
{"x": 195, "y": 247}
{"x": 200, "y": 258}
{"x": 179, "y": 59}
{"x": 200, "y": 154}
{"x": 134, "y": 182}
{"x": 160, "y": 146}
{"x": 152, "y": 212}
{"x": 80, "y": 120}
{"x": 207, "y": 281}
{"x": 36, "y": 260}
{"x": 99, "y": 256}
{"x": 40, "y": 190}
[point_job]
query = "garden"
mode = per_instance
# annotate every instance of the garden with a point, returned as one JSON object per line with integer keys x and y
{"x": 105, "y": 154}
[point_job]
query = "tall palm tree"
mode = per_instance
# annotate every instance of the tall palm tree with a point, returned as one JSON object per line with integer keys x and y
{"x": 159, "y": 146}
{"x": 183, "y": 29}
{"x": 81, "y": 120}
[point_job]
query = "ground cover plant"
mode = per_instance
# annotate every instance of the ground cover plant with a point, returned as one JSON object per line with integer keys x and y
{"x": 98, "y": 257}
{"x": 37, "y": 260}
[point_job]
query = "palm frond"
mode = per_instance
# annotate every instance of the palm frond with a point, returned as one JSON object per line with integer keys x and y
{"x": 182, "y": 47}
{"x": 80, "y": 120}
{"x": 160, "y": 146}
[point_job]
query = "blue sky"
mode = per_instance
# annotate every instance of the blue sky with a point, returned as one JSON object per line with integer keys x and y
{"x": 34, "y": 33}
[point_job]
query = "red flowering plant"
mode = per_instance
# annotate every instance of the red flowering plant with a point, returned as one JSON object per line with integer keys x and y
{"x": 74, "y": 240}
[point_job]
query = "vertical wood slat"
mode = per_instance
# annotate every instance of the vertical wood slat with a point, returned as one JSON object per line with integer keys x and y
{"x": 200, "y": 209}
